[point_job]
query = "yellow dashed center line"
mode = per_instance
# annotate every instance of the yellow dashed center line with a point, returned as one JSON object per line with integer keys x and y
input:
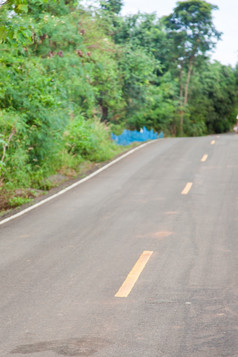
{"x": 187, "y": 188}
{"x": 204, "y": 158}
{"x": 212, "y": 142}
{"x": 134, "y": 274}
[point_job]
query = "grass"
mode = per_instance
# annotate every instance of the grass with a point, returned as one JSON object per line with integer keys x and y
{"x": 82, "y": 150}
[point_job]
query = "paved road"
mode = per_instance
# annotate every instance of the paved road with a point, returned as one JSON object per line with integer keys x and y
{"x": 161, "y": 210}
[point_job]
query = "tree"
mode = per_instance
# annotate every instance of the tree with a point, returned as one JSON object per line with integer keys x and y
{"x": 62, "y": 69}
{"x": 112, "y": 6}
{"x": 214, "y": 97}
{"x": 161, "y": 107}
{"x": 192, "y": 33}
{"x": 137, "y": 69}
{"x": 18, "y": 6}
{"x": 145, "y": 31}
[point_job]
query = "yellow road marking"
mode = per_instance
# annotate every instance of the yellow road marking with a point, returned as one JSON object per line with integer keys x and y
{"x": 204, "y": 158}
{"x": 212, "y": 142}
{"x": 162, "y": 234}
{"x": 134, "y": 274}
{"x": 187, "y": 188}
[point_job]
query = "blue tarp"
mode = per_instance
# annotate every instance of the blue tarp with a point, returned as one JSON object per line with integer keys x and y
{"x": 129, "y": 136}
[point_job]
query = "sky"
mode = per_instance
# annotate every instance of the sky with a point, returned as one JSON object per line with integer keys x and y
{"x": 225, "y": 20}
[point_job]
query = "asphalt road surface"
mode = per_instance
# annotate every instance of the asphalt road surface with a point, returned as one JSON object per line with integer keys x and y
{"x": 139, "y": 261}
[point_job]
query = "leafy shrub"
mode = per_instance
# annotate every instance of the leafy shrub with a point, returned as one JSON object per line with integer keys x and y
{"x": 18, "y": 201}
{"x": 89, "y": 140}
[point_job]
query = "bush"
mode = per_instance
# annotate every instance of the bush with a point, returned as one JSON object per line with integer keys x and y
{"x": 90, "y": 140}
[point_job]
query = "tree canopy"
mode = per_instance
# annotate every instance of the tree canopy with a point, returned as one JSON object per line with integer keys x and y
{"x": 192, "y": 33}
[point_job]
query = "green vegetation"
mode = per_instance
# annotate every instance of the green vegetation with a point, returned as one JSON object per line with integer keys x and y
{"x": 68, "y": 75}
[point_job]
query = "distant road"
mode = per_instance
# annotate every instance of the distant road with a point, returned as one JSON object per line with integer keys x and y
{"x": 139, "y": 261}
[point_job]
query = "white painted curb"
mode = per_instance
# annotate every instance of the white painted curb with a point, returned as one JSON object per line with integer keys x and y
{"x": 21, "y": 213}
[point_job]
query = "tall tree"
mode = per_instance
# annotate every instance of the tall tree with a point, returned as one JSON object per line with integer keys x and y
{"x": 144, "y": 31}
{"x": 190, "y": 28}
{"x": 18, "y": 6}
{"x": 112, "y": 6}
{"x": 214, "y": 97}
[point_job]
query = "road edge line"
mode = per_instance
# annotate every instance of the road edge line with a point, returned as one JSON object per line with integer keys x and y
{"x": 105, "y": 167}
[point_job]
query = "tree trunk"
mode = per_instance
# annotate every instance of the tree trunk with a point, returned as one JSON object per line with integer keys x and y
{"x": 184, "y": 98}
{"x": 104, "y": 113}
{"x": 181, "y": 113}
{"x": 190, "y": 66}
{"x": 104, "y": 110}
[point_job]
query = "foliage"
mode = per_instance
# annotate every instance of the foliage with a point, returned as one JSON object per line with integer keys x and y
{"x": 192, "y": 34}
{"x": 137, "y": 68}
{"x": 18, "y": 201}
{"x": 111, "y": 6}
{"x": 214, "y": 98}
{"x": 58, "y": 73}
{"x": 162, "y": 106}
{"x": 89, "y": 140}
{"x": 144, "y": 31}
